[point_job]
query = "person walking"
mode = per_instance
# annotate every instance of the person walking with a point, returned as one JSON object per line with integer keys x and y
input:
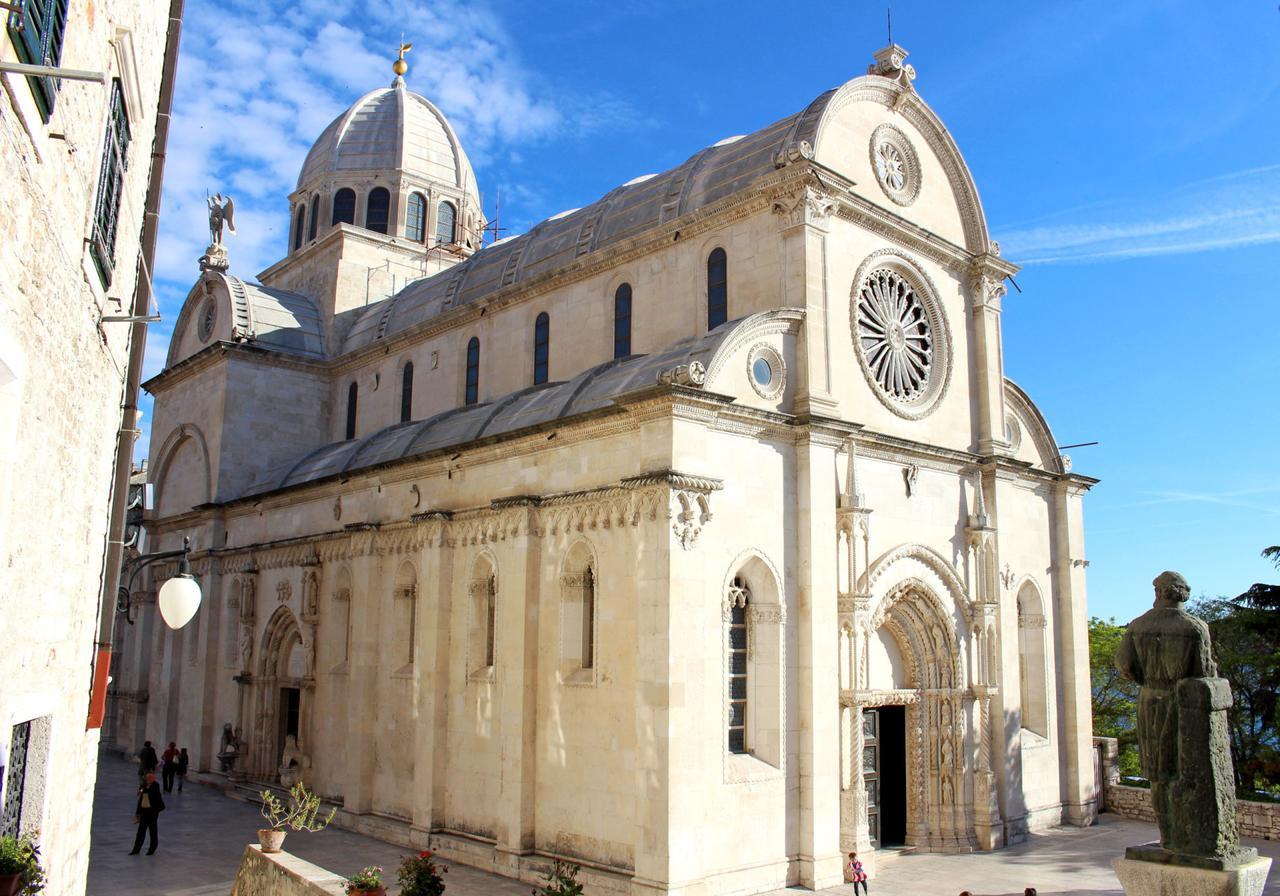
{"x": 170, "y": 757}
{"x": 856, "y": 874}
{"x": 147, "y": 761}
{"x": 146, "y": 814}
{"x": 183, "y": 761}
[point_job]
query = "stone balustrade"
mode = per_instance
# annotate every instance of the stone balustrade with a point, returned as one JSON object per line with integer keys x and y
{"x": 1260, "y": 820}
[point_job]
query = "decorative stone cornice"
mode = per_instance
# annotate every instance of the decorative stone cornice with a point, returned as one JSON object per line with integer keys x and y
{"x": 809, "y": 206}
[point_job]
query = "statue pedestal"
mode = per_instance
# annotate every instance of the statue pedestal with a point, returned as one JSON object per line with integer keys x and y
{"x": 1139, "y": 878}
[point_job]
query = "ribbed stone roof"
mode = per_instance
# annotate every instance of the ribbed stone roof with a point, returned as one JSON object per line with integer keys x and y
{"x": 707, "y": 177}
{"x": 595, "y": 389}
{"x": 391, "y": 129}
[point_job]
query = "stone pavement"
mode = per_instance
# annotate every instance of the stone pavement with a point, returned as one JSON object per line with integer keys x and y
{"x": 203, "y": 833}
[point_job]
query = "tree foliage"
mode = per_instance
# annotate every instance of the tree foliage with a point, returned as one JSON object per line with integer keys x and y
{"x": 1115, "y": 698}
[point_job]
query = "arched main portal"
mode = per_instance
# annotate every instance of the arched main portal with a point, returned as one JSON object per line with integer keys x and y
{"x": 903, "y": 693}
{"x": 281, "y": 694}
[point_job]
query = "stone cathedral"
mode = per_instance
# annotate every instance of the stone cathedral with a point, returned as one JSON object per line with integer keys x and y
{"x": 695, "y": 535}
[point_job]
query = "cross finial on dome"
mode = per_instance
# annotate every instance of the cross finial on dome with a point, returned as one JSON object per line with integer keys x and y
{"x": 400, "y": 66}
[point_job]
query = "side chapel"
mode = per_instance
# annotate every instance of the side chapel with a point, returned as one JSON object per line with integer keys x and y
{"x": 696, "y": 535}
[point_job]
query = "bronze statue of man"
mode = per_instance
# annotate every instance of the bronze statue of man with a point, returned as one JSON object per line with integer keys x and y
{"x": 1182, "y": 733}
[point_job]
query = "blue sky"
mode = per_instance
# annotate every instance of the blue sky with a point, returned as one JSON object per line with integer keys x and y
{"x": 1126, "y": 155}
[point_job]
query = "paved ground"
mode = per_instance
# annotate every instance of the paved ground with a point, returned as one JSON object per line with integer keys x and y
{"x": 203, "y": 833}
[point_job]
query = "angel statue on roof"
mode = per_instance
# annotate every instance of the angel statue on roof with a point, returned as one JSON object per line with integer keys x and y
{"x": 221, "y": 214}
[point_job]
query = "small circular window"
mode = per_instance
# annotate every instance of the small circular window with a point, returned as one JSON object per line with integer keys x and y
{"x": 901, "y": 338}
{"x": 896, "y": 166}
{"x": 766, "y": 371}
{"x": 208, "y": 318}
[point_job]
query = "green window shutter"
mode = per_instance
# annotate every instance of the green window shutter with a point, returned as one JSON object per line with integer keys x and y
{"x": 37, "y": 28}
{"x": 106, "y": 214}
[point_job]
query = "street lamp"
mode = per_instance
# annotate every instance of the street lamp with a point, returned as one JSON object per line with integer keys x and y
{"x": 179, "y": 597}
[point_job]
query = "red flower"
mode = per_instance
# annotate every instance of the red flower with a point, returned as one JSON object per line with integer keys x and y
{"x": 426, "y": 853}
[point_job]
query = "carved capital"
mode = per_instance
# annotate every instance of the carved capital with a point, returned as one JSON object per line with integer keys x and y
{"x": 987, "y": 288}
{"x": 809, "y": 206}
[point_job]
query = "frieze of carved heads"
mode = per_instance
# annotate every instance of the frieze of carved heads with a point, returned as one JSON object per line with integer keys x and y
{"x": 809, "y": 206}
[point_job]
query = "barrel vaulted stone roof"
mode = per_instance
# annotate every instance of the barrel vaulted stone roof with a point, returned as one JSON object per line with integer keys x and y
{"x": 708, "y": 176}
{"x": 596, "y": 389}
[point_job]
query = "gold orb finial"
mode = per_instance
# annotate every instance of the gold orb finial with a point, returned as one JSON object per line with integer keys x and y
{"x": 400, "y": 66}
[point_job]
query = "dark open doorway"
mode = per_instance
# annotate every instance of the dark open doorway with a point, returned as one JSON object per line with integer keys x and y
{"x": 290, "y": 700}
{"x": 884, "y": 768}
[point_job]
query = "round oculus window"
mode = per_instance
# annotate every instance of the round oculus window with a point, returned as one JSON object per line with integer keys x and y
{"x": 902, "y": 341}
{"x": 896, "y": 166}
{"x": 208, "y": 318}
{"x": 766, "y": 371}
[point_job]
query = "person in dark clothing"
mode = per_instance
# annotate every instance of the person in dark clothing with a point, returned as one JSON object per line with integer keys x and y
{"x": 170, "y": 757}
{"x": 183, "y": 761}
{"x": 147, "y": 761}
{"x": 150, "y": 805}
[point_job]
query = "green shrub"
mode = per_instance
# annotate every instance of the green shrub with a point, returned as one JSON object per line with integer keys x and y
{"x": 561, "y": 880}
{"x": 22, "y": 856}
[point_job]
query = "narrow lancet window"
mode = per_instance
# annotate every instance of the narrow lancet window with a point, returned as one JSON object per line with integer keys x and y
{"x": 738, "y": 598}
{"x": 406, "y": 393}
{"x": 622, "y": 321}
{"x": 378, "y": 210}
{"x": 315, "y": 218}
{"x": 446, "y": 224}
{"x": 541, "y": 347}
{"x": 717, "y": 289}
{"x": 300, "y": 228}
{"x": 344, "y": 206}
{"x": 352, "y": 394}
{"x": 473, "y": 371}
{"x": 415, "y": 217}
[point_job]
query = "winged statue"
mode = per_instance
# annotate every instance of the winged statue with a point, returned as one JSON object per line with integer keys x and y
{"x": 221, "y": 214}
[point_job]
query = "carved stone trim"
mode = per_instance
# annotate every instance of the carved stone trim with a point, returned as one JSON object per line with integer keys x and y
{"x": 809, "y": 206}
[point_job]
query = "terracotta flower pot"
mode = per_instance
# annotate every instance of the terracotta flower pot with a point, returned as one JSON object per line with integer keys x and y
{"x": 270, "y": 839}
{"x": 10, "y": 884}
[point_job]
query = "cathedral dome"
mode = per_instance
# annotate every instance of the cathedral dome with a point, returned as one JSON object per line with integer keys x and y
{"x": 391, "y": 129}
{"x": 390, "y": 164}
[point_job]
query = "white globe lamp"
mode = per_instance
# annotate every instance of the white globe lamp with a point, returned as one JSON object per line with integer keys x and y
{"x": 179, "y": 597}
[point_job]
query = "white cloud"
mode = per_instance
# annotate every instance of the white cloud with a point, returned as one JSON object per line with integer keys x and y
{"x": 1237, "y": 209}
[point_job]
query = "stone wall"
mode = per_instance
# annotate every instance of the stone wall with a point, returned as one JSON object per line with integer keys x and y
{"x": 61, "y": 381}
{"x": 282, "y": 874}
{"x": 1261, "y": 820}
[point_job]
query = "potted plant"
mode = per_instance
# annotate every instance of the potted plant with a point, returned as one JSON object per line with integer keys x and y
{"x": 421, "y": 876}
{"x": 367, "y": 882}
{"x": 300, "y": 814}
{"x": 20, "y": 871}
{"x": 560, "y": 880}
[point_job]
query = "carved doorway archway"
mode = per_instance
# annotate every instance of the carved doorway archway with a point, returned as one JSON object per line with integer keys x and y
{"x": 282, "y": 705}
{"x": 913, "y": 624}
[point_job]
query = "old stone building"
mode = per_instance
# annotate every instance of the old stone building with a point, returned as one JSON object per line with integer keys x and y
{"x": 696, "y": 534}
{"x": 76, "y": 151}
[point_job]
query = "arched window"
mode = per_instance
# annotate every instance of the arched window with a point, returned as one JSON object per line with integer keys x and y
{"x": 415, "y": 217}
{"x": 352, "y": 394}
{"x": 378, "y": 210}
{"x": 300, "y": 227}
{"x": 717, "y": 289}
{"x": 541, "y": 347}
{"x": 406, "y": 393}
{"x": 446, "y": 224}
{"x": 622, "y": 321}
{"x": 1032, "y": 668}
{"x": 315, "y": 218}
{"x": 738, "y": 598}
{"x": 344, "y": 206}
{"x": 473, "y": 371}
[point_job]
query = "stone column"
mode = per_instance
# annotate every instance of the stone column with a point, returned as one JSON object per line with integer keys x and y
{"x": 1071, "y": 627}
{"x": 817, "y": 664}
{"x": 517, "y": 676}
{"x": 986, "y": 292}
{"x": 984, "y": 594}
{"x": 804, "y": 223}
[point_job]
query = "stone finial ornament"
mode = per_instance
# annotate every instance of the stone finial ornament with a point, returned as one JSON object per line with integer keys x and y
{"x": 1182, "y": 734}
{"x": 891, "y": 63}
{"x": 400, "y": 66}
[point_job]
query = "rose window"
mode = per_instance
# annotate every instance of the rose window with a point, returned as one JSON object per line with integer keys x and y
{"x": 891, "y": 168}
{"x": 894, "y": 335}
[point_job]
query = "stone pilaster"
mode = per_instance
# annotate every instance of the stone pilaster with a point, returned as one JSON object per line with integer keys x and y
{"x": 368, "y": 586}
{"x": 804, "y": 223}
{"x": 986, "y": 291}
